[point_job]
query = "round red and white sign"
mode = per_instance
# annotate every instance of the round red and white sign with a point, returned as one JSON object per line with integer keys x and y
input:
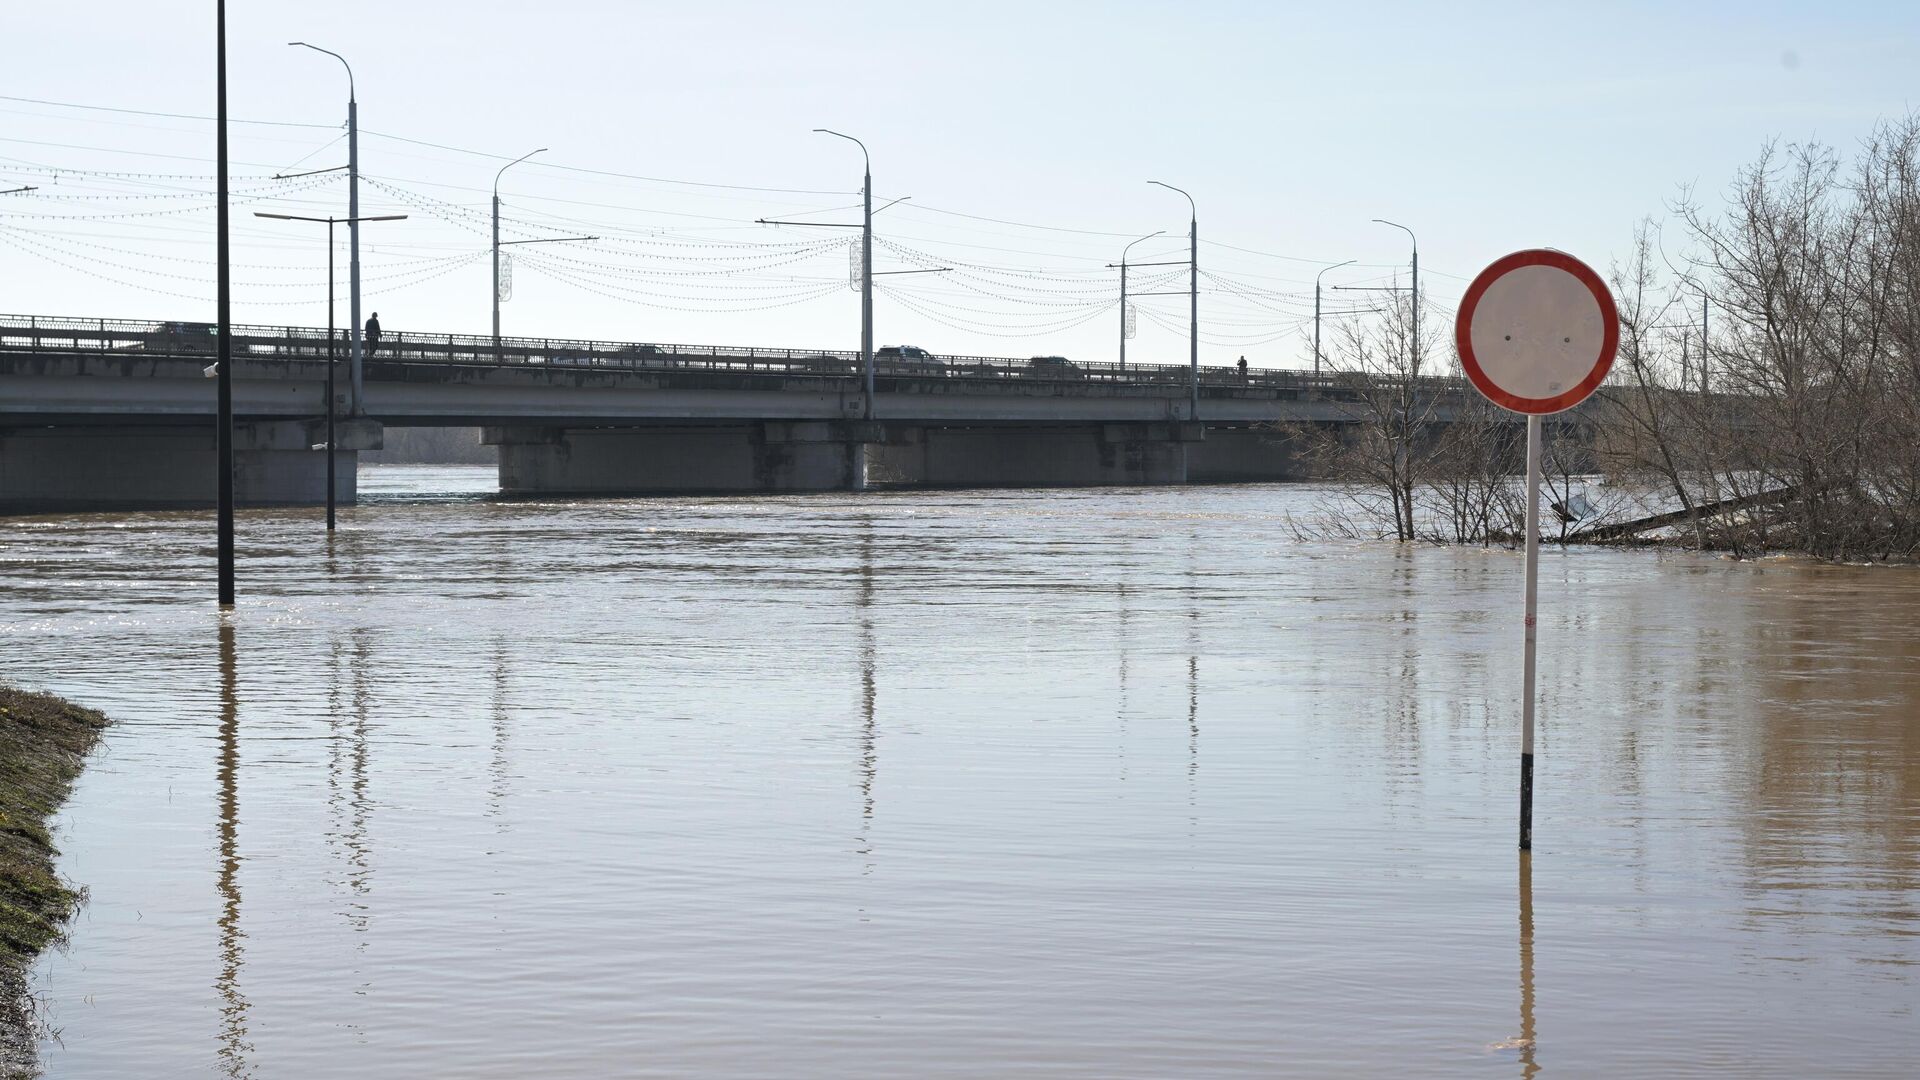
{"x": 1537, "y": 331}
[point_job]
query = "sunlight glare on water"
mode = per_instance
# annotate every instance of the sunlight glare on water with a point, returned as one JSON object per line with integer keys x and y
{"x": 1123, "y": 782}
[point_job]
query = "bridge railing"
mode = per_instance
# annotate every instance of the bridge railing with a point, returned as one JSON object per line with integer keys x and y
{"x": 278, "y": 343}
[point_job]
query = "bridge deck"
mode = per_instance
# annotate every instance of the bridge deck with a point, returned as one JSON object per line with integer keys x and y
{"x": 69, "y": 370}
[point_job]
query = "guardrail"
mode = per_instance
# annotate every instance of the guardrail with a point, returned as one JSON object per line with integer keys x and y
{"x": 174, "y": 338}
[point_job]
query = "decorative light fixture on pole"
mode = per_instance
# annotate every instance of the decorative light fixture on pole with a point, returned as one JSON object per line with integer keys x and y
{"x": 353, "y": 229}
{"x": 1126, "y": 324}
{"x": 866, "y": 265}
{"x": 1193, "y": 292}
{"x": 332, "y": 440}
{"x": 866, "y": 268}
{"x": 497, "y": 242}
{"x": 1316, "y": 311}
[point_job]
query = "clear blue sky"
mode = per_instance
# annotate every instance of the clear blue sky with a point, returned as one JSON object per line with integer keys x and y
{"x": 1485, "y": 127}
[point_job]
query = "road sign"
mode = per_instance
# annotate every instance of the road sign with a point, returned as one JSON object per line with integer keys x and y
{"x": 1537, "y": 331}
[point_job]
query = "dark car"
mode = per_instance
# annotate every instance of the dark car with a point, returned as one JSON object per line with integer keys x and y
{"x": 1054, "y": 367}
{"x": 828, "y": 364}
{"x": 907, "y": 360}
{"x": 184, "y": 337}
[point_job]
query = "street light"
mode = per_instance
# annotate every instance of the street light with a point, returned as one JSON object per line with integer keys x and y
{"x": 353, "y": 227}
{"x": 1123, "y": 293}
{"x": 1316, "y": 311}
{"x": 1193, "y": 281}
{"x": 496, "y": 241}
{"x": 1414, "y": 365}
{"x": 330, "y": 223}
{"x": 866, "y": 265}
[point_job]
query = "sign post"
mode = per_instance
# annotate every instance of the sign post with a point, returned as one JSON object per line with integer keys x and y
{"x": 1537, "y": 331}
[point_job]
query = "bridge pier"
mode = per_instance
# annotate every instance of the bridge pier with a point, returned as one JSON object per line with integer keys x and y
{"x": 1077, "y": 455}
{"x": 816, "y": 455}
{"x": 1244, "y": 454}
{"x": 122, "y": 467}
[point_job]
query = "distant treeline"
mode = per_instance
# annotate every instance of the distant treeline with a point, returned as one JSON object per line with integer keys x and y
{"x": 431, "y": 446}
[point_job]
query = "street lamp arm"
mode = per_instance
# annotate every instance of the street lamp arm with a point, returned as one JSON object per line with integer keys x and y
{"x": 511, "y": 164}
{"x": 336, "y": 56}
{"x": 1402, "y": 228}
{"x": 1335, "y": 266}
{"x": 865, "y": 157}
{"x": 1190, "y": 206}
{"x": 1129, "y": 247}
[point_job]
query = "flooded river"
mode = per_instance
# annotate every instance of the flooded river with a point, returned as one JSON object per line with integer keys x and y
{"x": 1109, "y": 783}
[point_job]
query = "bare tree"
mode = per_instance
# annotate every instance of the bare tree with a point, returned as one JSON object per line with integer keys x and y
{"x": 1382, "y": 425}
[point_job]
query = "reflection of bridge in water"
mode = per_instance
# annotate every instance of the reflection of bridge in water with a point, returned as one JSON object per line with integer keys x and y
{"x": 101, "y": 412}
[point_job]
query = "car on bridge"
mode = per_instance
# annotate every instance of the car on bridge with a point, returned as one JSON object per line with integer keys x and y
{"x": 827, "y": 364}
{"x": 907, "y": 360}
{"x": 183, "y": 337}
{"x": 1054, "y": 367}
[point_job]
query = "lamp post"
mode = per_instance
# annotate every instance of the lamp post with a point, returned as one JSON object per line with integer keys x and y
{"x": 353, "y": 227}
{"x": 1123, "y": 294}
{"x": 1316, "y": 312}
{"x": 1414, "y": 365}
{"x": 332, "y": 441}
{"x": 1193, "y": 321}
{"x": 496, "y": 242}
{"x": 866, "y": 266}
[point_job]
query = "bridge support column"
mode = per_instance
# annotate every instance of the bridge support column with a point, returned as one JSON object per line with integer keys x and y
{"x": 765, "y": 457}
{"x": 124, "y": 467}
{"x": 1085, "y": 455}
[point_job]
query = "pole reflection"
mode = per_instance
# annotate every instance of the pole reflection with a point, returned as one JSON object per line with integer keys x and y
{"x": 1525, "y": 1042}
{"x": 347, "y": 778}
{"x": 1193, "y": 671}
{"x": 1125, "y": 611}
{"x": 234, "y": 1047}
{"x": 497, "y": 769}
{"x": 869, "y": 748}
{"x": 358, "y": 848}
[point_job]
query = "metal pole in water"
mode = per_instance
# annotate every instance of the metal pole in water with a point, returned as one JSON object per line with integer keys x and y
{"x": 331, "y": 442}
{"x": 1532, "y": 606}
{"x": 223, "y": 425}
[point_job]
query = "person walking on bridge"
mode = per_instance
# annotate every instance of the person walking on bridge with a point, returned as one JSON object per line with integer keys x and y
{"x": 373, "y": 335}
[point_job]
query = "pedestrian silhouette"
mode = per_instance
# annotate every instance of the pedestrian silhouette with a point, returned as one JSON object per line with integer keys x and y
{"x": 373, "y": 335}
{"x": 1243, "y": 367}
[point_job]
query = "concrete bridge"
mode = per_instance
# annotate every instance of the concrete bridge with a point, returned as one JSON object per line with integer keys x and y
{"x": 115, "y": 413}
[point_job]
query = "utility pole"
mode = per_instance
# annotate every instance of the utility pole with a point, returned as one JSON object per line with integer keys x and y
{"x": 223, "y": 318}
{"x": 866, "y": 265}
{"x": 497, "y": 242}
{"x": 1316, "y": 311}
{"x": 1123, "y": 289}
{"x": 332, "y": 439}
{"x": 1193, "y": 297}
{"x": 1414, "y": 364}
{"x": 866, "y": 270}
{"x": 353, "y": 227}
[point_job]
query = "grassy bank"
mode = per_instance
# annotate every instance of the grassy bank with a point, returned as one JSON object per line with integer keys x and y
{"x": 43, "y": 742}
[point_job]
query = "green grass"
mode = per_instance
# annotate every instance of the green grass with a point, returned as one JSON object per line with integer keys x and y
{"x": 43, "y": 743}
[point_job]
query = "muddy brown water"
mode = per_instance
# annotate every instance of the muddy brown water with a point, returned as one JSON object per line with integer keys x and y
{"x": 1072, "y": 783}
